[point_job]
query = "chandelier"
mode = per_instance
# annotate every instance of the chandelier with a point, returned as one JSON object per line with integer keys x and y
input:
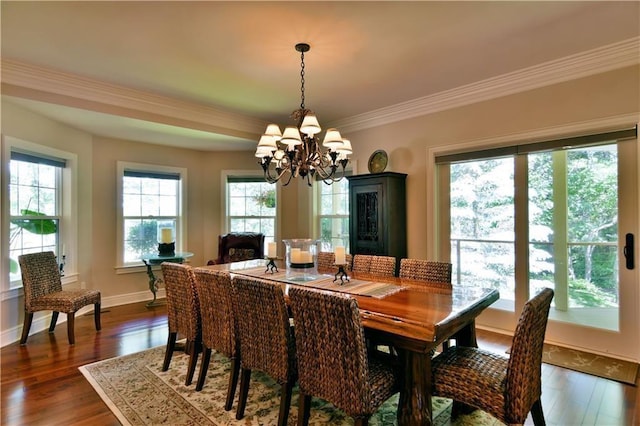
{"x": 297, "y": 152}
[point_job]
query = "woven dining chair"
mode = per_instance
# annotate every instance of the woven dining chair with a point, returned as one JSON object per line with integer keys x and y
{"x": 43, "y": 292}
{"x": 506, "y": 387}
{"x": 218, "y": 325}
{"x": 266, "y": 340}
{"x": 183, "y": 312}
{"x": 380, "y": 266}
{"x": 327, "y": 262}
{"x": 425, "y": 270}
{"x": 333, "y": 363}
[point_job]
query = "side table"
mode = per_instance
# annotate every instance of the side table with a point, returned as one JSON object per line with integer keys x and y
{"x": 151, "y": 259}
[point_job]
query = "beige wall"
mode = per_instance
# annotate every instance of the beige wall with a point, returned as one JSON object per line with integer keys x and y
{"x": 407, "y": 142}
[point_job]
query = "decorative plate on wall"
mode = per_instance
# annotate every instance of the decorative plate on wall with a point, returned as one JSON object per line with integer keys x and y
{"x": 378, "y": 161}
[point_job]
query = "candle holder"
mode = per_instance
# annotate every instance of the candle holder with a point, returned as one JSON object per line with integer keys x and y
{"x": 271, "y": 265}
{"x": 62, "y": 265}
{"x": 342, "y": 274}
{"x": 167, "y": 249}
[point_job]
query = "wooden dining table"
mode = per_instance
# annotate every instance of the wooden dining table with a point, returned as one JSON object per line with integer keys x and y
{"x": 412, "y": 317}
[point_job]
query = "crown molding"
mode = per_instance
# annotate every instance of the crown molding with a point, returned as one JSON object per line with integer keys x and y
{"x": 606, "y": 58}
{"x": 73, "y": 90}
{"x": 42, "y": 83}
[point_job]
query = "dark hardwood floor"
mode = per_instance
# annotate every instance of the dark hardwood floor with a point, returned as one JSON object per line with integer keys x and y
{"x": 41, "y": 383}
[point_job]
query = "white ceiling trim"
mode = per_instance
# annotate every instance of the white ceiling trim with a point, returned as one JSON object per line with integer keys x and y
{"x": 607, "y": 58}
{"x": 192, "y": 115}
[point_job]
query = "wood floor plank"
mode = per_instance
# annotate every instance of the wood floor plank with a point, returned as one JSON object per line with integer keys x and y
{"x": 41, "y": 383}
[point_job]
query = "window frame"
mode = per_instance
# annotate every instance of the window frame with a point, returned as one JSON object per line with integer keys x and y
{"x": 68, "y": 207}
{"x": 252, "y": 175}
{"x": 181, "y": 223}
{"x": 318, "y": 185}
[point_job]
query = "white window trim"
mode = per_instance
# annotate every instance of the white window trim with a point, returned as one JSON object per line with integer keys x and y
{"x": 181, "y": 222}
{"x": 224, "y": 213}
{"x": 352, "y": 170}
{"x": 68, "y": 209}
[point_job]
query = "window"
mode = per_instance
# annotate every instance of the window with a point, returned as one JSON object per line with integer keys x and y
{"x": 333, "y": 214}
{"x": 152, "y": 205}
{"x": 35, "y": 200}
{"x": 251, "y": 206}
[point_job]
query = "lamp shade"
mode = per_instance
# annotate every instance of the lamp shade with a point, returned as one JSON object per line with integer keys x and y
{"x": 267, "y": 141}
{"x": 345, "y": 148}
{"x": 332, "y": 139}
{"x": 291, "y": 136}
{"x": 310, "y": 125}
{"x": 274, "y": 131}
{"x": 263, "y": 151}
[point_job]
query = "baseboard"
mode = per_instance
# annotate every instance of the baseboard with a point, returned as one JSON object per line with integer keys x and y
{"x": 41, "y": 320}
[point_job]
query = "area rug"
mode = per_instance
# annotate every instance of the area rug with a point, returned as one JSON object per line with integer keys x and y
{"x": 596, "y": 365}
{"x": 138, "y": 393}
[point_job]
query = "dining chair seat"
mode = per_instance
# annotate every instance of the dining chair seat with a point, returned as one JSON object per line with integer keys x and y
{"x": 506, "y": 387}
{"x": 218, "y": 325}
{"x": 43, "y": 292}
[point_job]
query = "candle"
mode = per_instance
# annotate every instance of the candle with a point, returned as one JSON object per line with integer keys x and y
{"x": 305, "y": 257}
{"x": 63, "y": 250}
{"x": 295, "y": 255}
{"x": 340, "y": 256}
{"x": 166, "y": 235}
{"x": 271, "y": 250}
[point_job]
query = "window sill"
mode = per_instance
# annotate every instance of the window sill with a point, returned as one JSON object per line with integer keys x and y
{"x": 134, "y": 269}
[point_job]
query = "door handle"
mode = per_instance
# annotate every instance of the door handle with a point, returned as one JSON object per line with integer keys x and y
{"x": 629, "y": 252}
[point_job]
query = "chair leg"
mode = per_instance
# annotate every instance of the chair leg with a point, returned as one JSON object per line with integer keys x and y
{"x": 96, "y": 316}
{"x": 54, "y": 320}
{"x": 233, "y": 382}
{"x": 285, "y": 403}
{"x": 194, "y": 350}
{"x": 71, "y": 321}
{"x": 304, "y": 409}
{"x": 171, "y": 344}
{"x": 204, "y": 367}
{"x": 537, "y": 414}
{"x": 28, "y": 319}
{"x": 245, "y": 377}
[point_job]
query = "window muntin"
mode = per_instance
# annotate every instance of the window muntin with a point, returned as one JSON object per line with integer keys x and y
{"x": 35, "y": 207}
{"x": 151, "y": 201}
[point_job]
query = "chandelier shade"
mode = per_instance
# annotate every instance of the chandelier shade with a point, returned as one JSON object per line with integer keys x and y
{"x": 297, "y": 151}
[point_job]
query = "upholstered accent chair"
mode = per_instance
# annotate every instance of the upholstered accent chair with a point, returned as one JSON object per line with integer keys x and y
{"x": 333, "y": 361}
{"x": 183, "y": 312}
{"x": 218, "y": 325}
{"x": 327, "y": 260}
{"x": 508, "y": 388}
{"x": 379, "y": 266}
{"x": 266, "y": 339}
{"x": 236, "y": 246}
{"x": 43, "y": 292}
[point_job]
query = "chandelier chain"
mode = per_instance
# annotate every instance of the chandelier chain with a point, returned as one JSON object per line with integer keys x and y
{"x": 302, "y": 80}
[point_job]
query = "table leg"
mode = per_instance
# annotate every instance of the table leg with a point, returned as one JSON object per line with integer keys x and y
{"x": 467, "y": 336}
{"x": 414, "y": 405}
{"x": 153, "y": 286}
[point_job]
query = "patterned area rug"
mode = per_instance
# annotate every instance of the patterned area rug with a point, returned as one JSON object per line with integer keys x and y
{"x": 138, "y": 393}
{"x": 597, "y": 365}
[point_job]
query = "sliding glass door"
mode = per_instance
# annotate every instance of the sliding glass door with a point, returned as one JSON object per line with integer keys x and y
{"x": 553, "y": 218}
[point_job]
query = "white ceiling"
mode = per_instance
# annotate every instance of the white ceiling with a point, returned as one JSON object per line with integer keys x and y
{"x": 208, "y": 75}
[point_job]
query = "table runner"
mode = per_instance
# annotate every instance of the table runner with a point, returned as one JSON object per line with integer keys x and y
{"x": 325, "y": 282}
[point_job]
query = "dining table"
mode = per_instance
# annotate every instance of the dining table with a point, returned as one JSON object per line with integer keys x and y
{"x": 411, "y": 316}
